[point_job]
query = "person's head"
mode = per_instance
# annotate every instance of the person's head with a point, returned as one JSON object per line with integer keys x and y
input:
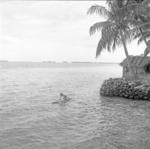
{"x": 61, "y": 94}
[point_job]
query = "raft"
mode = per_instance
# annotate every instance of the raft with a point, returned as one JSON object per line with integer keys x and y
{"x": 120, "y": 87}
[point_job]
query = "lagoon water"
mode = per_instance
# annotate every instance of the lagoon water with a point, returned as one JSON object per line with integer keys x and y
{"x": 28, "y": 120}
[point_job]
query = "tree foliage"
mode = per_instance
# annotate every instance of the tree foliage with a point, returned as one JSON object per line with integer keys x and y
{"x": 116, "y": 21}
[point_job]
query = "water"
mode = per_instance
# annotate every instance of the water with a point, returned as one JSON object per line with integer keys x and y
{"x": 28, "y": 120}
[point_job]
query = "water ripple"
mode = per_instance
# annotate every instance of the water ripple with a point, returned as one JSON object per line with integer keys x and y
{"x": 28, "y": 120}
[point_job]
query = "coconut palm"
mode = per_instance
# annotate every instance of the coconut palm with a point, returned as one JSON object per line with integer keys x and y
{"x": 144, "y": 35}
{"x": 144, "y": 32}
{"x": 140, "y": 12}
{"x": 114, "y": 31}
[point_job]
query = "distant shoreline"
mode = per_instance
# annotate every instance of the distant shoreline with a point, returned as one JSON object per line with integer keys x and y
{"x": 15, "y": 64}
{"x": 53, "y": 62}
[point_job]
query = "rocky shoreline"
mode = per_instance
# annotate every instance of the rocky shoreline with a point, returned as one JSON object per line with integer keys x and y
{"x": 120, "y": 87}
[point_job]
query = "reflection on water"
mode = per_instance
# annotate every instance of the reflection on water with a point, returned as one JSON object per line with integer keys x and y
{"x": 28, "y": 120}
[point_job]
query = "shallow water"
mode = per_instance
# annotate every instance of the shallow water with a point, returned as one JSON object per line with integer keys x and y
{"x": 28, "y": 120}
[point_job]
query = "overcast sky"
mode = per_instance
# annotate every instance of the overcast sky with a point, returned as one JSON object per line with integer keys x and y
{"x": 52, "y": 31}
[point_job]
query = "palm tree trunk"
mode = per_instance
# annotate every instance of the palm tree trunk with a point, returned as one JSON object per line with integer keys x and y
{"x": 127, "y": 55}
{"x": 143, "y": 36}
{"x": 147, "y": 50}
{"x": 147, "y": 44}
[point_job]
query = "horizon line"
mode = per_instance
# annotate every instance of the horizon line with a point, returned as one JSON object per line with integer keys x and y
{"x": 54, "y": 61}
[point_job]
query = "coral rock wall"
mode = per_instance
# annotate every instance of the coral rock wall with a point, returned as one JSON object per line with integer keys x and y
{"x": 120, "y": 87}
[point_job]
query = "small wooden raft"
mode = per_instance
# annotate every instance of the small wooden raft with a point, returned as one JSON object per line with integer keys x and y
{"x": 120, "y": 87}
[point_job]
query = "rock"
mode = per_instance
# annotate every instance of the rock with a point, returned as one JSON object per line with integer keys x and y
{"x": 123, "y": 88}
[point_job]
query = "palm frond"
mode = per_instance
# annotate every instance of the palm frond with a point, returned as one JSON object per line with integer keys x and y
{"x": 98, "y": 26}
{"x": 116, "y": 42}
{"x": 109, "y": 40}
{"x": 141, "y": 38}
{"x": 146, "y": 2}
{"x": 137, "y": 8}
{"x": 101, "y": 45}
{"x": 97, "y": 9}
{"x": 132, "y": 22}
{"x": 142, "y": 25}
{"x": 103, "y": 42}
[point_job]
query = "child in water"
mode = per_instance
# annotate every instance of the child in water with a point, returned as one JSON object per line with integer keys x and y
{"x": 63, "y": 97}
{"x": 62, "y": 100}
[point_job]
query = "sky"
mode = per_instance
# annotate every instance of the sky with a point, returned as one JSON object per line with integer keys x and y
{"x": 53, "y": 31}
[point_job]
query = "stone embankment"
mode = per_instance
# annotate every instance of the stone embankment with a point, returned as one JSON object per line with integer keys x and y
{"x": 120, "y": 87}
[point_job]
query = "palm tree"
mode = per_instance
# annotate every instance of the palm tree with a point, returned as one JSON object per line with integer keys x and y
{"x": 140, "y": 12}
{"x": 144, "y": 30}
{"x": 144, "y": 35}
{"x": 140, "y": 16}
{"x": 114, "y": 31}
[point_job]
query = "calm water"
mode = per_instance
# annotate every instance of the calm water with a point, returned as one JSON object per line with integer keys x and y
{"x": 28, "y": 120}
